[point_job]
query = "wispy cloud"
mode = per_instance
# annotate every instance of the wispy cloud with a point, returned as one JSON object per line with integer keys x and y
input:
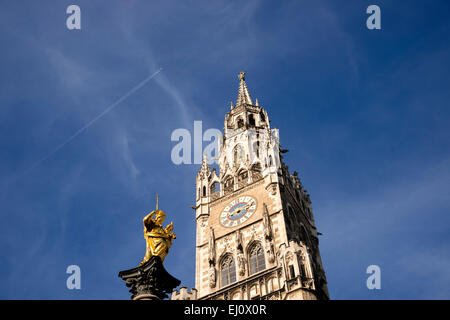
{"x": 183, "y": 108}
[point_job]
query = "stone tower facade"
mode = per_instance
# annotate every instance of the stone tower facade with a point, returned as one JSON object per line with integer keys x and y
{"x": 256, "y": 235}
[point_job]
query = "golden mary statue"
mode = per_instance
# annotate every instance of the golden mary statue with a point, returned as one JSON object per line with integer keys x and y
{"x": 158, "y": 239}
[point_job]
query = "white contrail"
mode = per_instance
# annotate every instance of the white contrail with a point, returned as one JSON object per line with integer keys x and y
{"x": 90, "y": 123}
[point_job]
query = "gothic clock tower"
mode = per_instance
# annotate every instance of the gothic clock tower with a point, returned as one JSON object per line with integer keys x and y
{"x": 256, "y": 235}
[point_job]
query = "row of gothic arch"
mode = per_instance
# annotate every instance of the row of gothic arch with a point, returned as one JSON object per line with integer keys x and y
{"x": 227, "y": 265}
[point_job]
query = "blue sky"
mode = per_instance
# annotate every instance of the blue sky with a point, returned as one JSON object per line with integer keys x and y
{"x": 364, "y": 114}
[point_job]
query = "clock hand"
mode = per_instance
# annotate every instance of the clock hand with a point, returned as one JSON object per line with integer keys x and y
{"x": 239, "y": 210}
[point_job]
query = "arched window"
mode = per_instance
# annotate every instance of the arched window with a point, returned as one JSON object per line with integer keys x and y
{"x": 291, "y": 272}
{"x": 257, "y": 262}
{"x": 303, "y": 270}
{"x": 204, "y": 191}
{"x": 304, "y": 235}
{"x": 227, "y": 271}
{"x": 251, "y": 120}
{"x": 214, "y": 187}
{"x": 288, "y": 219}
{"x": 262, "y": 117}
{"x": 240, "y": 123}
{"x": 243, "y": 175}
{"x": 256, "y": 149}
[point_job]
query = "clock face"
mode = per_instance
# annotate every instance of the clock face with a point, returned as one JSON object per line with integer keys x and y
{"x": 238, "y": 211}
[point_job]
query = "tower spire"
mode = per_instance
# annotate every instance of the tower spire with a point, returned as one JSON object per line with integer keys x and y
{"x": 243, "y": 94}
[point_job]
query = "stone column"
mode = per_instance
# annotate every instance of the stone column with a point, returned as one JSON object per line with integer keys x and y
{"x": 150, "y": 281}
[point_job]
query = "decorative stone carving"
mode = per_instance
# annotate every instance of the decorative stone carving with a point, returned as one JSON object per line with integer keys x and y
{"x": 212, "y": 247}
{"x": 288, "y": 257}
{"x": 203, "y": 229}
{"x": 239, "y": 242}
{"x": 270, "y": 253}
{"x": 308, "y": 283}
{"x": 212, "y": 258}
{"x": 241, "y": 263}
{"x": 240, "y": 254}
{"x": 212, "y": 276}
{"x": 302, "y": 256}
{"x": 268, "y": 234}
{"x": 267, "y": 223}
{"x": 253, "y": 232}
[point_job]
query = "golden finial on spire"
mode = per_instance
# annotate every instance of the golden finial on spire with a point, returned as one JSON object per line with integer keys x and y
{"x": 157, "y": 200}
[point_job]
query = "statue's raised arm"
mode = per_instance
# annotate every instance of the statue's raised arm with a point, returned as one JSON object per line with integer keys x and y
{"x": 148, "y": 221}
